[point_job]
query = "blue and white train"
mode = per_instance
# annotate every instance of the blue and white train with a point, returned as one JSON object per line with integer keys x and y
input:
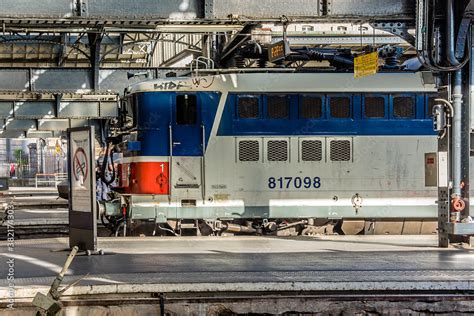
{"x": 266, "y": 152}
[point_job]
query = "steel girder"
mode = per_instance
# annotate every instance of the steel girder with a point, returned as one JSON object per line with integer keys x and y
{"x": 150, "y": 14}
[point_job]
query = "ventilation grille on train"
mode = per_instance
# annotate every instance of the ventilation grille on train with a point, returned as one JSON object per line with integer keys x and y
{"x": 277, "y": 107}
{"x": 403, "y": 106}
{"x": 340, "y": 107}
{"x": 249, "y": 150}
{"x": 277, "y": 150}
{"x": 311, "y": 150}
{"x": 340, "y": 150}
{"x": 374, "y": 107}
{"x": 248, "y": 108}
{"x": 311, "y": 108}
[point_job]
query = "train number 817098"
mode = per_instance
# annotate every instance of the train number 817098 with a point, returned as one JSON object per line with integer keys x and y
{"x": 294, "y": 183}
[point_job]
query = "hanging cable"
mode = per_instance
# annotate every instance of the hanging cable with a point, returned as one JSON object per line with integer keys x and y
{"x": 427, "y": 60}
{"x": 104, "y": 166}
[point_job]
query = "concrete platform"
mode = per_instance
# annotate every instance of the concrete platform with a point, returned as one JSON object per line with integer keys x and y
{"x": 328, "y": 264}
{"x": 31, "y": 191}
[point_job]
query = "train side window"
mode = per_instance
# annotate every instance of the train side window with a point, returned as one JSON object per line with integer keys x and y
{"x": 186, "y": 109}
{"x": 403, "y": 107}
{"x": 129, "y": 110}
{"x": 374, "y": 107}
{"x": 248, "y": 107}
{"x": 278, "y": 107}
{"x": 340, "y": 107}
{"x": 311, "y": 107}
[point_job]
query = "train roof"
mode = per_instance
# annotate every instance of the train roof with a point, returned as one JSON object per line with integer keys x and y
{"x": 292, "y": 82}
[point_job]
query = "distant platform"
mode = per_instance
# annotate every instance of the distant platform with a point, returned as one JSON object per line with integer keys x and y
{"x": 31, "y": 191}
{"x": 326, "y": 264}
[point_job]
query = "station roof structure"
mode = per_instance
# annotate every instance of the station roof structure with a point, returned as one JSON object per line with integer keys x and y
{"x": 65, "y": 62}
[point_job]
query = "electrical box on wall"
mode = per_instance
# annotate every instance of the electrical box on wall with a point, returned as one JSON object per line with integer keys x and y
{"x": 431, "y": 170}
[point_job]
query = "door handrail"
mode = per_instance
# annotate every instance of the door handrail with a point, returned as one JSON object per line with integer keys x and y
{"x": 170, "y": 159}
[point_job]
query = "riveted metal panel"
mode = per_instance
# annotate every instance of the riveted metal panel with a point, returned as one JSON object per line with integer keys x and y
{"x": 20, "y": 125}
{"x": 33, "y": 109}
{"x": 74, "y": 109}
{"x": 339, "y": 40}
{"x": 79, "y": 123}
{"x": 116, "y": 80}
{"x": 12, "y": 134}
{"x": 108, "y": 109}
{"x": 69, "y": 80}
{"x": 53, "y": 124}
{"x": 40, "y": 8}
{"x": 60, "y": 124}
{"x": 39, "y": 134}
{"x": 13, "y": 79}
{"x": 139, "y": 9}
{"x": 6, "y": 109}
{"x": 371, "y": 7}
{"x": 265, "y": 9}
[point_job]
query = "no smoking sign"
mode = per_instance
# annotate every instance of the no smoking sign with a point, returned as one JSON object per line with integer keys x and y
{"x": 80, "y": 165}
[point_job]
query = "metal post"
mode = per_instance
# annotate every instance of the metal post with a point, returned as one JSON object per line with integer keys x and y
{"x": 444, "y": 175}
{"x": 457, "y": 101}
{"x": 95, "y": 41}
{"x": 453, "y": 208}
{"x": 457, "y": 134}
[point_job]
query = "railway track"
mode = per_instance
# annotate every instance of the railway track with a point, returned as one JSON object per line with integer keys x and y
{"x": 44, "y": 230}
{"x": 284, "y": 303}
{"x": 29, "y": 231}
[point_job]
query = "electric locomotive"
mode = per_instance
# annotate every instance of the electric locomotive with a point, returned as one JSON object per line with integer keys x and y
{"x": 276, "y": 152}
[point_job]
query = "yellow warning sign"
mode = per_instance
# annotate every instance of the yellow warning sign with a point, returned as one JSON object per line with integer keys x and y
{"x": 58, "y": 148}
{"x": 366, "y": 65}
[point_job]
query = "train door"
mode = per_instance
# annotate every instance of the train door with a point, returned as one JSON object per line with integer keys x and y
{"x": 186, "y": 146}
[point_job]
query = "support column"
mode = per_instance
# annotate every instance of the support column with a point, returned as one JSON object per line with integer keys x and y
{"x": 468, "y": 126}
{"x": 95, "y": 41}
{"x": 443, "y": 189}
{"x": 454, "y": 147}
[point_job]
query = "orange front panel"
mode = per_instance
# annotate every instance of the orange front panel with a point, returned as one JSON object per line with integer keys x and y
{"x": 145, "y": 177}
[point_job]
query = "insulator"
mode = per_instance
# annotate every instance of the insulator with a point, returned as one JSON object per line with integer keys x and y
{"x": 391, "y": 61}
{"x": 239, "y": 61}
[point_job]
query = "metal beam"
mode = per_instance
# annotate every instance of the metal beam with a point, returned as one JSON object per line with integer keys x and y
{"x": 110, "y": 9}
{"x": 262, "y": 9}
{"x": 371, "y": 8}
{"x": 60, "y": 124}
{"x": 33, "y": 109}
{"x": 43, "y": 8}
{"x": 345, "y": 40}
{"x": 300, "y": 10}
{"x": 46, "y": 128}
{"x": 47, "y": 80}
{"x": 12, "y": 134}
{"x": 22, "y": 125}
{"x": 66, "y": 108}
{"x": 42, "y": 134}
{"x": 148, "y": 14}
